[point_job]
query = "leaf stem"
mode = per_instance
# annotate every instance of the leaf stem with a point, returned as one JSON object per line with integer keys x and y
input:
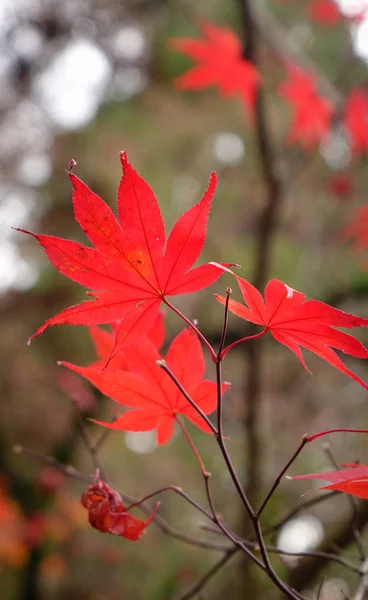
{"x": 314, "y": 436}
{"x": 244, "y": 339}
{"x": 226, "y": 320}
{"x": 204, "y": 471}
{"x": 281, "y": 474}
{"x": 189, "y": 322}
{"x": 162, "y": 364}
{"x": 178, "y": 491}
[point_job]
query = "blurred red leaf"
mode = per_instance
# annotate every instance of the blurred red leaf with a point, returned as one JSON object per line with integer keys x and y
{"x": 327, "y": 13}
{"x": 155, "y": 399}
{"x": 352, "y": 481}
{"x": 312, "y": 113}
{"x": 132, "y": 266}
{"x": 104, "y": 343}
{"x": 341, "y": 186}
{"x": 356, "y": 120}
{"x": 324, "y": 12}
{"x": 107, "y": 513}
{"x": 357, "y": 230}
{"x": 299, "y": 323}
{"x": 220, "y": 64}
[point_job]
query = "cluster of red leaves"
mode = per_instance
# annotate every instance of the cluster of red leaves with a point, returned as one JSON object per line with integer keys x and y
{"x": 134, "y": 380}
{"x": 327, "y": 13}
{"x": 312, "y": 113}
{"x": 357, "y": 230}
{"x": 133, "y": 267}
{"x": 296, "y": 322}
{"x": 352, "y": 480}
{"x": 356, "y": 120}
{"x": 220, "y": 64}
{"x": 107, "y": 513}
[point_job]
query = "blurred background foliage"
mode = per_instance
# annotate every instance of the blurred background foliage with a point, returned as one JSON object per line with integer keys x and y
{"x": 84, "y": 79}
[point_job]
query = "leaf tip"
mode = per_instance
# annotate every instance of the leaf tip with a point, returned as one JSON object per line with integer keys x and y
{"x": 72, "y": 163}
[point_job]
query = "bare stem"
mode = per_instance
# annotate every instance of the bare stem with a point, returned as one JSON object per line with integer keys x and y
{"x": 162, "y": 364}
{"x": 192, "y": 326}
{"x": 178, "y": 491}
{"x": 208, "y": 576}
{"x": 204, "y": 472}
{"x": 280, "y": 476}
{"x": 158, "y": 520}
{"x": 247, "y": 338}
{"x": 226, "y": 320}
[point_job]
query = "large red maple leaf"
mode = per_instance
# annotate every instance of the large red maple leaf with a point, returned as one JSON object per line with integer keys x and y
{"x": 155, "y": 399}
{"x": 107, "y": 513}
{"x": 220, "y": 64}
{"x": 312, "y": 112}
{"x": 105, "y": 344}
{"x": 299, "y": 323}
{"x": 353, "y": 480}
{"x": 356, "y": 120}
{"x": 133, "y": 267}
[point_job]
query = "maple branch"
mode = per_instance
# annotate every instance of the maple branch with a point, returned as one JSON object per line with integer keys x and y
{"x": 158, "y": 520}
{"x": 247, "y": 338}
{"x": 251, "y": 513}
{"x": 192, "y": 326}
{"x": 224, "y": 451}
{"x": 281, "y": 474}
{"x": 162, "y": 364}
{"x": 178, "y": 491}
{"x": 224, "y": 328}
{"x": 360, "y": 594}
{"x": 208, "y": 576}
{"x": 297, "y": 509}
{"x": 340, "y": 536}
{"x": 68, "y": 470}
{"x": 91, "y": 447}
{"x": 267, "y": 223}
{"x": 204, "y": 471}
{"x": 308, "y": 553}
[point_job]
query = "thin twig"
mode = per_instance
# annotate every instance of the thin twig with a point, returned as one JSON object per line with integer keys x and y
{"x": 158, "y": 520}
{"x": 295, "y": 511}
{"x": 208, "y": 576}
{"x": 178, "y": 491}
{"x": 307, "y": 554}
{"x": 226, "y": 320}
{"x": 361, "y": 592}
{"x": 280, "y": 476}
{"x": 162, "y": 364}
{"x": 192, "y": 326}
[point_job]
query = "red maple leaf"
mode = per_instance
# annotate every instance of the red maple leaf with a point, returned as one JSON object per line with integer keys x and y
{"x": 107, "y": 513}
{"x": 327, "y": 13}
{"x": 299, "y": 323}
{"x": 312, "y": 112}
{"x": 155, "y": 399}
{"x": 356, "y": 120}
{"x": 352, "y": 481}
{"x": 132, "y": 267}
{"x": 220, "y": 64}
{"x": 104, "y": 343}
{"x": 342, "y": 186}
{"x": 357, "y": 230}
